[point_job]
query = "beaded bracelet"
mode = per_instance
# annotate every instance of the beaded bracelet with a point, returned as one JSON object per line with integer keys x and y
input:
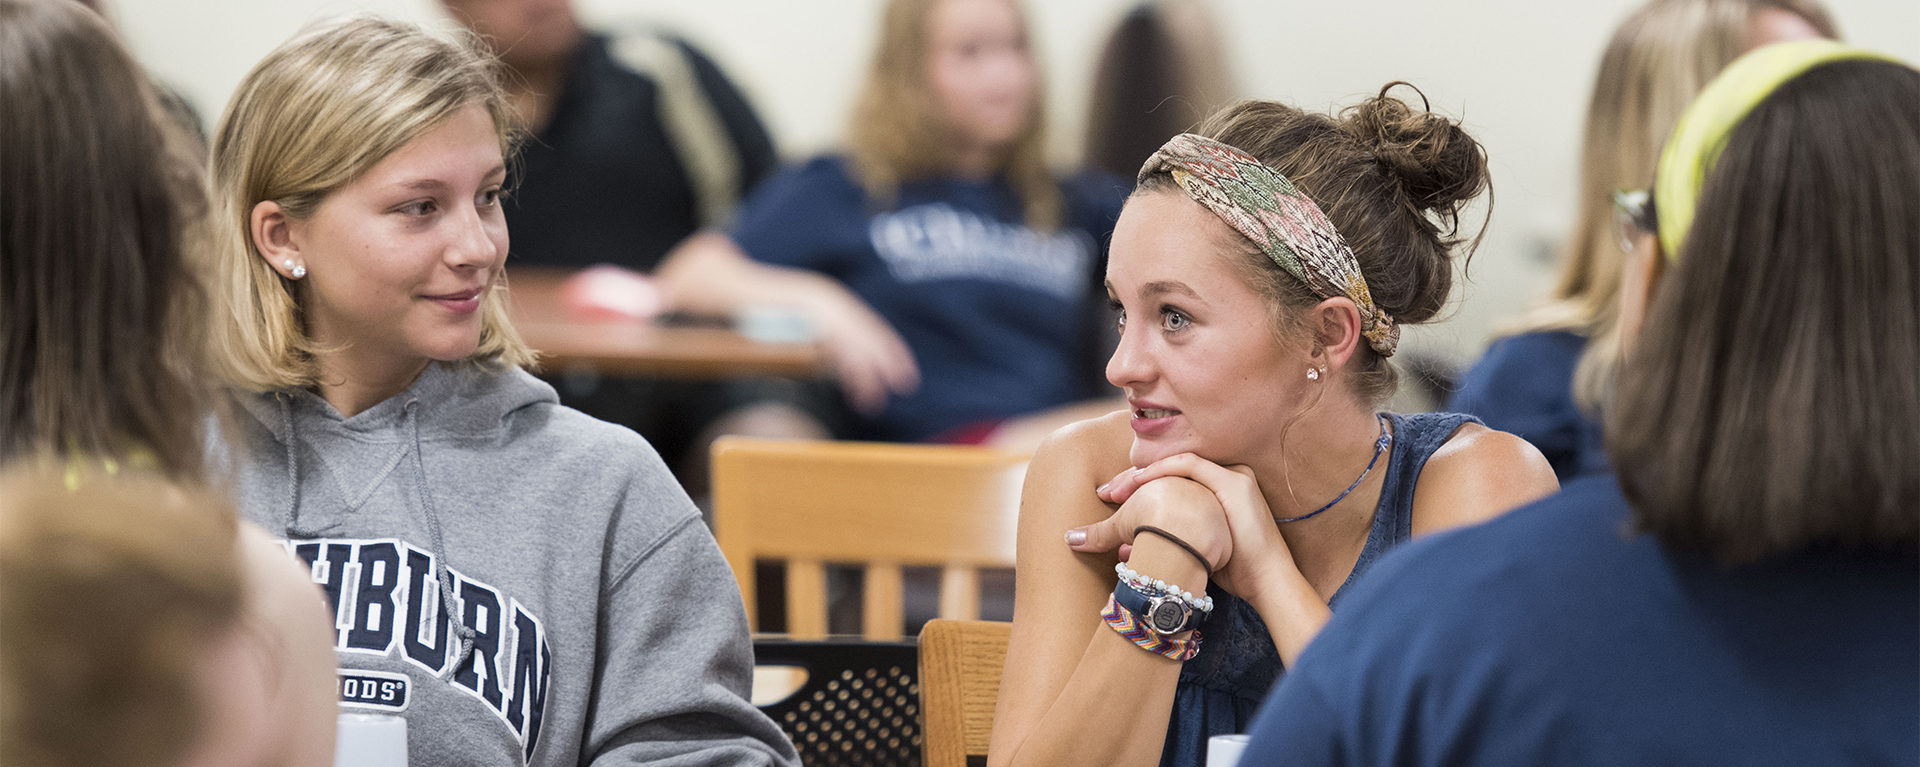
{"x": 1153, "y": 587}
{"x": 1128, "y": 625}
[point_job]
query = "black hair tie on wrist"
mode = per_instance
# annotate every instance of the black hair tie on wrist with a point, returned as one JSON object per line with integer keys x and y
{"x": 1204, "y": 564}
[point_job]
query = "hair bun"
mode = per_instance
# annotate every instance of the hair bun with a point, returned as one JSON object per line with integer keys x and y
{"x": 1437, "y": 164}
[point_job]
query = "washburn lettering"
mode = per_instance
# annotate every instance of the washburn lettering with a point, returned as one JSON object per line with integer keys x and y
{"x": 386, "y": 602}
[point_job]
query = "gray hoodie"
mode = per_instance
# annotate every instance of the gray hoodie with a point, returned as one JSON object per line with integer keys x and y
{"x": 595, "y": 621}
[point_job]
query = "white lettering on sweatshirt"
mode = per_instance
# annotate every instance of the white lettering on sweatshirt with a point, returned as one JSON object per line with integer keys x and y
{"x": 937, "y": 241}
{"x": 386, "y": 602}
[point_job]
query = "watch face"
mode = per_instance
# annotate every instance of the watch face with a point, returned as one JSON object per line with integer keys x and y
{"x": 1166, "y": 617}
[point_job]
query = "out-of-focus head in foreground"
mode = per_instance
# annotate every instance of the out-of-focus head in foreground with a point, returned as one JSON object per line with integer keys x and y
{"x": 101, "y": 206}
{"x": 1771, "y": 385}
{"x": 121, "y": 640}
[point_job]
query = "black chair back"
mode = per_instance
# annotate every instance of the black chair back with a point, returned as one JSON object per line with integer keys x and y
{"x": 860, "y": 705}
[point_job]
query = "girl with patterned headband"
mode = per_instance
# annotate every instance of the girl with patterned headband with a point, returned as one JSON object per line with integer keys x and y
{"x": 1745, "y": 590}
{"x": 1262, "y": 270}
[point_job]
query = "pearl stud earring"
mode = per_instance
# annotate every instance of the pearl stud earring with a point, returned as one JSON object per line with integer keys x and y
{"x": 1313, "y": 374}
{"x": 297, "y": 270}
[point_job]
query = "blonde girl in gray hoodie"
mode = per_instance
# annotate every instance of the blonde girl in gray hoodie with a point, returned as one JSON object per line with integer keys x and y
{"x": 523, "y": 583}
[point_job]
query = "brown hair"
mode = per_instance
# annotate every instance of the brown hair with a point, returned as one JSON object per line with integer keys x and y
{"x": 112, "y": 591}
{"x": 100, "y": 210}
{"x": 1654, "y": 65}
{"x": 900, "y": 133}
{"x": 1773, "y": 392}
{"x": 315, "y": 114}
{"x": 1394, "y": 181}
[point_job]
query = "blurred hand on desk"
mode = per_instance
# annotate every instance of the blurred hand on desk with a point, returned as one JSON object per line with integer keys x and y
{"x": 709, "y": 274}
{"x": 608, "y": 293}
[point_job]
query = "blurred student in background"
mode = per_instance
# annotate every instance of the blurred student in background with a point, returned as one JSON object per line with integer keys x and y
{"x": 637, "y": 140}
{"x": 1748, "y": 591}
{"x": 1547, "y": 375}
{"x": 949, "y": 275}
{"x": 1263, "y": 269}
{"x": 1162, "y": 71}
{"x": 103, "y": 387}
{"x": 545, "y": 590}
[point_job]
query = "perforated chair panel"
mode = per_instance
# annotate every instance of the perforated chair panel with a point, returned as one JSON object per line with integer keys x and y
{"x": 860, "y": 705}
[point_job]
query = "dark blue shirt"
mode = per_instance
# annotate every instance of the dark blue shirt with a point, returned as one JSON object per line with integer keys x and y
{"x": 1552, "y": 636}
{"x": 1524, "y": 386}
{"x": 603, "y": 182}
{"x": 996, "y": 313}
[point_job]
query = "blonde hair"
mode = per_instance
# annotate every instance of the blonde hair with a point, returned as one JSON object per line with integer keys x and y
{"x": 315, "y": 114}
{"x": 112, "y": 591}
{"x": 900, "y": 133}
{"x": 1656, "y": 62}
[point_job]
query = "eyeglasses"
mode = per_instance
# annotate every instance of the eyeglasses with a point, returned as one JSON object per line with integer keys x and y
{"x": 1635, "y": 215}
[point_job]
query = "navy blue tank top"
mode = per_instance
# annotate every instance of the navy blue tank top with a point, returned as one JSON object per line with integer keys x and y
{"x": 1222, "y": 686}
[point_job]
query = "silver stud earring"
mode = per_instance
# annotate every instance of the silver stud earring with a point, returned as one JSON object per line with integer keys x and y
{"x": 1313, "y": 374}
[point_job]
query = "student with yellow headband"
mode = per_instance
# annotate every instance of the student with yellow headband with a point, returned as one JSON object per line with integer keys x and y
{"x": 1748, "y": 591}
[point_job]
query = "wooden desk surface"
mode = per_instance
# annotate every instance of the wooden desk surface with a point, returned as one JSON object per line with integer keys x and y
{"x": 641, "y": 349}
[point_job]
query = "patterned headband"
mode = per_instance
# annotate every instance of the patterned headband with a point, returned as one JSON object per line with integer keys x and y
{"x": 1264, "y": 206}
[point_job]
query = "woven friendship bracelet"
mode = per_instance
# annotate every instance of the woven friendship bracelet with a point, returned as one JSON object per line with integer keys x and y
{"x": 1134, "y": 630}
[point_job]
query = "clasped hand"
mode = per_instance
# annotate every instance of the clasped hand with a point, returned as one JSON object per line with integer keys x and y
{"x": 1219, "y": 510}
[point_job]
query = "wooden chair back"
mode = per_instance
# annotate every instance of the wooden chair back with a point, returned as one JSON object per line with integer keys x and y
{"x": 883, "y": 505}
{"x": 959, "y": 684}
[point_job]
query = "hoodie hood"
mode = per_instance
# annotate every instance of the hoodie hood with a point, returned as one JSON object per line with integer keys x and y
{"x": 449, "y": 401}
{"x": 452, "y": 399}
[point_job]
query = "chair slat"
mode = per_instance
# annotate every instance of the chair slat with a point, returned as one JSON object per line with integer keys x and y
{"x": 881, "y": 606}
{"x": 960, "y": 593}
{"x": 806, "y": 598}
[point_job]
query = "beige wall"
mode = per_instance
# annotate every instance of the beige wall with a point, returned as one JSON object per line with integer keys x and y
{"x": 1516, "y": 71}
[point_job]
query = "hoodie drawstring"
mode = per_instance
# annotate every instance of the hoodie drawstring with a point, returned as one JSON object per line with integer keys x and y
{"x": 294, "y": 530}
{"x": 460, "y": 627}
{"x": 464, "y": 634}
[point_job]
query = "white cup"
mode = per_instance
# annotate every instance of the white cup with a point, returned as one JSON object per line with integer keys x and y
{"x": 774, "y": 325}
{"x": 1225, "y": 750}
{"x": 371, "y": 740}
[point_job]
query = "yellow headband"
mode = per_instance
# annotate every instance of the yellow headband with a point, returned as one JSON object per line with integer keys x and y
{"x": 1702, "y": 131}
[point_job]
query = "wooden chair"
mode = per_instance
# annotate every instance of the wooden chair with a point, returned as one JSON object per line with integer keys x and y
{"x": 887, "y": 506}
{"x": 959, "y": 684}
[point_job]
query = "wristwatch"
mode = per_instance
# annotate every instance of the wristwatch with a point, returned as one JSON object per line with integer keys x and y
{"x": 1163, "y": 613}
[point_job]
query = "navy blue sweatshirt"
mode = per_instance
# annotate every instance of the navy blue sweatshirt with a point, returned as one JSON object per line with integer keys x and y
{"x": 1551, "y": 636}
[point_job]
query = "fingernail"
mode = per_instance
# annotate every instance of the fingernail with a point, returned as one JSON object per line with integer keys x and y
{"x": 1139, "y": 471}
{"x": 1076, "y": 537}
{"x": 1102, "y": 490}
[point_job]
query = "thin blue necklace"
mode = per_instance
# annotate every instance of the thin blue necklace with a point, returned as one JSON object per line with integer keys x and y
{"x": 1379, "y": 446}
